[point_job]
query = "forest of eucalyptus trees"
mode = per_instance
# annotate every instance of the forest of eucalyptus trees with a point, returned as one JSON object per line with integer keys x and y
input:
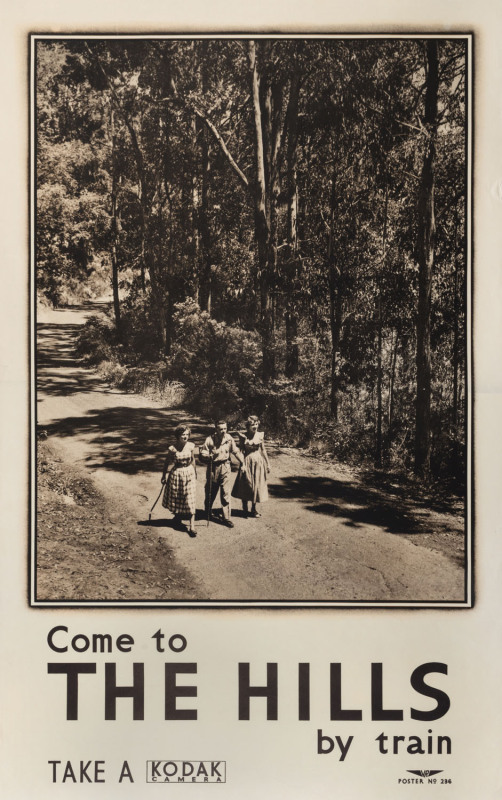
{"x": 282, "y": 225}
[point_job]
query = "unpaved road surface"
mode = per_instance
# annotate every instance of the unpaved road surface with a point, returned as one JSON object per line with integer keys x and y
{"x": 324, "y": 535}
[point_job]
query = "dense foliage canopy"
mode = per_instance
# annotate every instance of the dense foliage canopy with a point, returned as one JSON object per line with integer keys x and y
{"x": 281, "y": 223}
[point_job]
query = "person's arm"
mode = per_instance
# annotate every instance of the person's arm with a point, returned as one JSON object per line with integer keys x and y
{"x": 265, "y": 456}
{"x": 236, "y": 452}
{"x": 193, "y": 461}
{"x": 169, "y": 462}
{"x": 205, "y": 451}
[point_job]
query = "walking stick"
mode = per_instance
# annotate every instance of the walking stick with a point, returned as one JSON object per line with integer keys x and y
{"x": 157, "y": 500}
{"x": 210, "y": 492}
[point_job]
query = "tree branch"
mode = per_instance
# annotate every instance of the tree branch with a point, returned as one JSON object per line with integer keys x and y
{"x": 216, "y": 134}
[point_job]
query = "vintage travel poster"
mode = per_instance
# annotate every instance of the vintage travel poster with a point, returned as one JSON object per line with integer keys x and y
{"x": 251, "y": 401}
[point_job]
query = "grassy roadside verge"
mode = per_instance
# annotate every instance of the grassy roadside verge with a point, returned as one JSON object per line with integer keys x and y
{"x": 87, "y": 550}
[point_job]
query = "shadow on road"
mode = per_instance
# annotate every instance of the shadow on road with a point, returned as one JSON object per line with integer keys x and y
{"x": 129, "y": 440}
{"x": 58, "y": 369}
{"x": 357, "y": 505}
{"x": 172, "y": 524}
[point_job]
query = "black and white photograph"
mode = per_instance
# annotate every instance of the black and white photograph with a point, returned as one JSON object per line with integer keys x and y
{"x": 251, "y": 320}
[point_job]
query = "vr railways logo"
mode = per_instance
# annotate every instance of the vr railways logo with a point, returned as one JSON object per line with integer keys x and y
{"x": 186, "y": 771}
{"x": 424, "y": 773}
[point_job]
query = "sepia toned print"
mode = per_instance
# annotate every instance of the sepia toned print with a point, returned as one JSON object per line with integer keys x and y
{"x": 273, "y": 229}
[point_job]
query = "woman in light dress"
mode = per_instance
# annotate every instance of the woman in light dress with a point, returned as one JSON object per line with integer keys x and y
{"x": 179, "y": 494}
{"x": 251, "y": 482}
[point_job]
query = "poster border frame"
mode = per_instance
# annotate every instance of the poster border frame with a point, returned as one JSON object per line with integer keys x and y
{"x": 468, "y": 601}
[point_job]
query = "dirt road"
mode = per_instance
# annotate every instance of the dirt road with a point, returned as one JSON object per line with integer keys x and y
{"x": 325, "y": 535}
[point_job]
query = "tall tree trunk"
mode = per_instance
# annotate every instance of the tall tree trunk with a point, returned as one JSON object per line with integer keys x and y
{"x": 204, "y": 231}
{"x": 146, "y": 260}
{"x": 292, "y": 353}
{"x": 392, "y": 380}
{"x": 335, "y": 303}
{"x": 168, "y": 324}
{"x": 378, "y": 447}
{"x": 264, "y": 231}
{"x": 379, "y": 438}
{"x": 202, "y": 176}
{"x": 455, "y": 358}
{"x": 115, "y": 230}
{"x": 425, "y": 258}
{"x": 293, "y": 265}
{"x": 196, "y": 212}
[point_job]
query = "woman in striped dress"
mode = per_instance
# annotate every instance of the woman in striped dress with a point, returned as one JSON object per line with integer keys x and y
{"x": 179, "y": 494}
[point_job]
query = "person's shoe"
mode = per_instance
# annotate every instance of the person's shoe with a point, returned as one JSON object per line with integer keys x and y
{"x": 214, "y": 515}
{"x": 228, "y": 522}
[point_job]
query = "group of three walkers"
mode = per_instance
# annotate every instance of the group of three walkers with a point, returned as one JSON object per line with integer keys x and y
{"x": 179, "y": 473}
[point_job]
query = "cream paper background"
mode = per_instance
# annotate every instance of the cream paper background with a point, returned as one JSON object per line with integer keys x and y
{"x": 264, "y": 759}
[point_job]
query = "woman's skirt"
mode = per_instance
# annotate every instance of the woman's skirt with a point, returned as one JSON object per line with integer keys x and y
{"x": 251, "y": 481}
{"x": 179, "y": 494}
